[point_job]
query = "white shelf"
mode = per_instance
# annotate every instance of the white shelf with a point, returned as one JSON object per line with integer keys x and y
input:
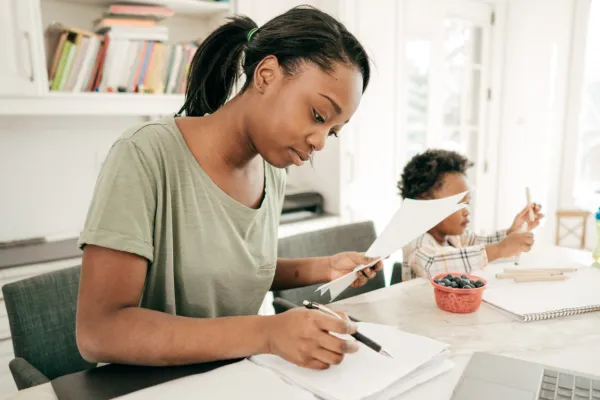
{"x": 190, "y": 7}
{"x": 64, "y": 104}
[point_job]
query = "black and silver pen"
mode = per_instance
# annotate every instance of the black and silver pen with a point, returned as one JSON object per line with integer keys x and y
{"x": 358, "y": 336}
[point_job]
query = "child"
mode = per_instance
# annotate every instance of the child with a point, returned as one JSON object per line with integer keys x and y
{"x": 449, "y": 246}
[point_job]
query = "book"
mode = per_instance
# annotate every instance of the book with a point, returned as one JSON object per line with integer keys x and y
{"x": 535, "y": 301}
{"x": 131, "y": 10}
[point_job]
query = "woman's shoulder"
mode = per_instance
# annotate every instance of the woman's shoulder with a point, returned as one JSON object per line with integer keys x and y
{"x": 150, "y": 132}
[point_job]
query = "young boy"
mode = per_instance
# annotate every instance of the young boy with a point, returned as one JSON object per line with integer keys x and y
{"x": 449, "y": 246}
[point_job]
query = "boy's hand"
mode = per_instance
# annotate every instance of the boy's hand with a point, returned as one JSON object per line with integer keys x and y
{"x": 515, "y": 243}
{"x": 523, "y": 217}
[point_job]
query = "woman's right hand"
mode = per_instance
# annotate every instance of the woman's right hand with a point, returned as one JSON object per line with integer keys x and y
{"x": 302, "y": 337}
{"x": 515, "y": 243}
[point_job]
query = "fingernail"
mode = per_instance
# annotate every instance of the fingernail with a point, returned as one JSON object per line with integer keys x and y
{"x": 352, "y": 347}
{"x": 351, "y": 326}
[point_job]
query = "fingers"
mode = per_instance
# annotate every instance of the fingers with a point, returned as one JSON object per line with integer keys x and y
{"x": 315, "y": 364}
{"x": 360, "y": 280}
{"x": 327, "y": 357}
{"x": 332, "y": 324}
{"x": 527, "y": 242}
{"x": 337, "y": 345}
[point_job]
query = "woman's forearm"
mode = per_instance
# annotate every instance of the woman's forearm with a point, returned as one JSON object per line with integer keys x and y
{"x": 134, "y": 335}
{"x": 297, "y": 272}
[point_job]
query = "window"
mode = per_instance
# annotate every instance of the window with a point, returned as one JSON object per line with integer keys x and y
{"x": 587, "y": 179}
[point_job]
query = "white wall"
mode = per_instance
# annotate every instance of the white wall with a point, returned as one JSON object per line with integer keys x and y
{"x": 537, "y": 51}
{"x": 48, "y": 170}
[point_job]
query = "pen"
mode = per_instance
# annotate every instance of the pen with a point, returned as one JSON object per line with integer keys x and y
{"x": 358, "y": 336}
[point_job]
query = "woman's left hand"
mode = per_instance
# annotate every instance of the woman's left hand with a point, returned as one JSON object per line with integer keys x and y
{"x": 343, "y": 263}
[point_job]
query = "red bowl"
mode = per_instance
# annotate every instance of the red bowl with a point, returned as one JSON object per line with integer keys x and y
{"x": 457, "y": 300}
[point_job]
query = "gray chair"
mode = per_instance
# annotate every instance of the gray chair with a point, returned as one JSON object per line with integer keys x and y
{"x": 351, "y": 237}
{"x": 41, "y": 314}
{"x": 396, "y": 273}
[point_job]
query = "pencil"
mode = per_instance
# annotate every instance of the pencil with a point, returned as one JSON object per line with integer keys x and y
{"x": 540, "y": 278}
{"x": 531, "y": 217}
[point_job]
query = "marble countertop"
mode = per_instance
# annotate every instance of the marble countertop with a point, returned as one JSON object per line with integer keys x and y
{"x": 569, "y": 342}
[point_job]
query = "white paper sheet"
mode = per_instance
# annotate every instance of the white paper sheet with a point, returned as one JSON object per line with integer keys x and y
{"x": 414, "y": 218}
{"x": 365, "y": 374}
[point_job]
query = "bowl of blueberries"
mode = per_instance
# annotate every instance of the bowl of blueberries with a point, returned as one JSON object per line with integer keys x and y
{"x": 458, "y": 292}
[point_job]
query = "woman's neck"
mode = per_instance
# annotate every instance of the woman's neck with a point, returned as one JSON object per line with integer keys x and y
{"x": 223, "y": 134}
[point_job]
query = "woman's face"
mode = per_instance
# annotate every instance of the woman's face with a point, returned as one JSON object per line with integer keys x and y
{"x": 292, "y": 116}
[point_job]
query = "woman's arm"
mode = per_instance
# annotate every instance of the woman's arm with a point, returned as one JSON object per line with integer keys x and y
{"x": 297, "y": 272}
{"x": 111, "y": 327}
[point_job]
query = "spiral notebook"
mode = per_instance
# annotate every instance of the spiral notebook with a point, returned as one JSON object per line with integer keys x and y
{"x": 533, "y": 301}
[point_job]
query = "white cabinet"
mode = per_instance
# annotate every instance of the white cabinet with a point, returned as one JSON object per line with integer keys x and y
{"x": 20, "y": 47}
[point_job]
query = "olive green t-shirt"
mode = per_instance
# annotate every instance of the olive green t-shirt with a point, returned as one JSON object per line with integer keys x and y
{"x": 208, "y": 255}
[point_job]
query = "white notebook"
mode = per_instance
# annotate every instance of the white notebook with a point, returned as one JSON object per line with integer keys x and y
{"x": 532, "y": 301}
{"x": 367, "y": 374}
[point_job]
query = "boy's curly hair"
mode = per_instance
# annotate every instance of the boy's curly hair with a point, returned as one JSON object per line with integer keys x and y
{"x": 423, "y": 173}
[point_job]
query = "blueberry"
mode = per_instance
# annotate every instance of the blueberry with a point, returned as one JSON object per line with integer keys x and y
{"x": 453, "y": 285}
{"x": 437, "y": 280}
{"x": 446, "y": 282}
{"x": 479, "y": 283}
{"x": 464, "y": 277}
{"x": 449, "y": 277}
{"x": 468, "y": 287}
{"x": 472, "y": 282}
{"x": 442, "y": 283}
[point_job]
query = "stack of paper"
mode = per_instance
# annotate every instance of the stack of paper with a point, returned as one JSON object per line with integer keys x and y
{"x": 367, "y": 374}
{"x": 414, "y": 218}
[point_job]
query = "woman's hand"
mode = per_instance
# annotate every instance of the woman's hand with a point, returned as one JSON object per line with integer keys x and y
{"x": 523, "y": 217}
{"x": 302, "y": 337}
{"x": 343, "y": 263}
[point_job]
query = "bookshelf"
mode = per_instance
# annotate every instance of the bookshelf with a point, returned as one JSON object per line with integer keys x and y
{"x": 196, "y": 8}
{"x": 25, "y": 88}
{"x": 92, "y": 104}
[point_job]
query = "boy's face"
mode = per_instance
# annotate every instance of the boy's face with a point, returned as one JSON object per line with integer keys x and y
{"x": 457, "y": 223}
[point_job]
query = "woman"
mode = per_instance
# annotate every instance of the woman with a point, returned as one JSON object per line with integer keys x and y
{"x": 180, "y": 241}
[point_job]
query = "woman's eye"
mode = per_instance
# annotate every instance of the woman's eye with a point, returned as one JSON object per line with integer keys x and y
{"x": 333, "y": 133}
{"x": 318, "y": 117}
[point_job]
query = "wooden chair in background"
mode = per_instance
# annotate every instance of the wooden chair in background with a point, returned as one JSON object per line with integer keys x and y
{"x": 578, "y": 230}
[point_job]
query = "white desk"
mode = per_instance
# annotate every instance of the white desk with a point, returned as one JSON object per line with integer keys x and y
{"x": 571, "y": 342}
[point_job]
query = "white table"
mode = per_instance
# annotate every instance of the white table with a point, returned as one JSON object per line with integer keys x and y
{"x": 571, "y": 342}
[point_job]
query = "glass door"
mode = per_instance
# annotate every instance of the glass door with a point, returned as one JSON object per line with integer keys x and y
{"x": 444, "y": 87}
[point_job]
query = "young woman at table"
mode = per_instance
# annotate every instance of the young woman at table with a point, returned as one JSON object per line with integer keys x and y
{"x": 180, "y": 241}
{"x": 449, "y": 246}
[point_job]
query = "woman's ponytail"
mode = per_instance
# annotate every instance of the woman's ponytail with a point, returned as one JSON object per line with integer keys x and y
{"x": 215, "y": 66}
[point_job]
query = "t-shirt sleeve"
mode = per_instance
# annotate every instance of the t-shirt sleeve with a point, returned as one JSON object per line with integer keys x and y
{"x": 122, "y": 211}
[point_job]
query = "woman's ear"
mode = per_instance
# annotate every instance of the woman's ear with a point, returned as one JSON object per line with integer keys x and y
{"x": 266, "y": 73}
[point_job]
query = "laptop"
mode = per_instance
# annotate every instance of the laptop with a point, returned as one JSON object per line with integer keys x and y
{"x": 494, "y": 377}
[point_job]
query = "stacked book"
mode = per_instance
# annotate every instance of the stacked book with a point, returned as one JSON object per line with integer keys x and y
{"x": 128, "y": 52}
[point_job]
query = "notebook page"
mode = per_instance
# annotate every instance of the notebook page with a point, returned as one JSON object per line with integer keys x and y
{"x": 582, "y": 289}
{"x": 364, "y": 373}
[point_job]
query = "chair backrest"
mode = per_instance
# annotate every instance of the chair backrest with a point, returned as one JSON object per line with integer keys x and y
{"x": 351, "y": 237}
{"x": 396, "y": 273}
{"x": 41, "y": 314}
